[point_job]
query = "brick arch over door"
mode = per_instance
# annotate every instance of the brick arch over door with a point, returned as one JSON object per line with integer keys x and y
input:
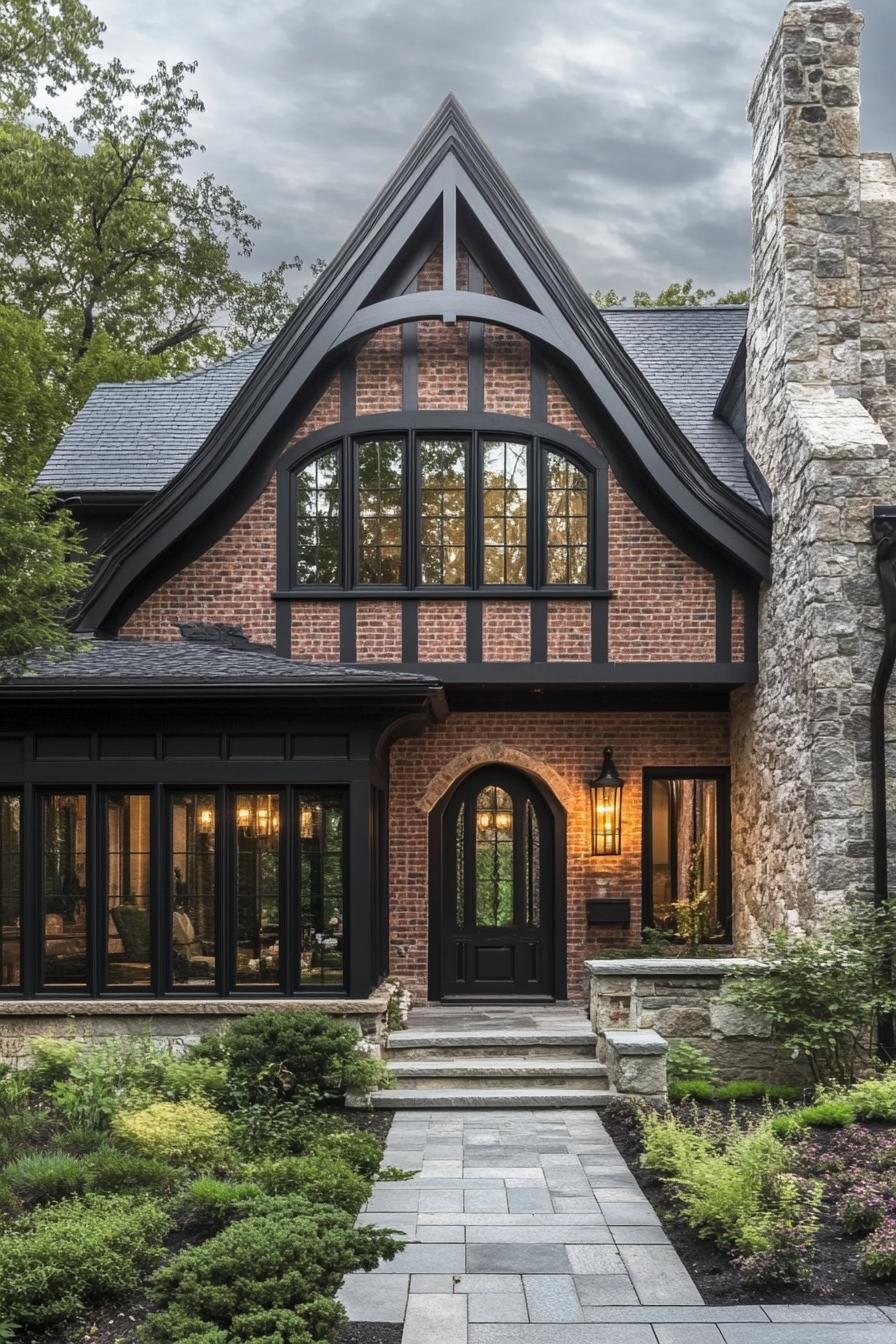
{"x": 495, "y": 753}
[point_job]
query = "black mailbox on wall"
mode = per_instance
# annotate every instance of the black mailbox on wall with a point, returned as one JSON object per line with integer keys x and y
{"x": 609, "y": 912}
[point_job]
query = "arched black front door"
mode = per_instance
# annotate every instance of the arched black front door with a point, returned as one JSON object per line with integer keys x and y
{"x": 496, "y": 877}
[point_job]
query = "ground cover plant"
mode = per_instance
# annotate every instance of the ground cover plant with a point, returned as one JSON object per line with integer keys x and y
{"x": 203, "y": 1199}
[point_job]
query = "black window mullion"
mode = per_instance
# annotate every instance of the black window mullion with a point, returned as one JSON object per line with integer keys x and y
{"x": 159, "y": 897}
{"x": 537, "y": 517}
{"x": 29, "y": 883}
{"x": 225, "y": 843}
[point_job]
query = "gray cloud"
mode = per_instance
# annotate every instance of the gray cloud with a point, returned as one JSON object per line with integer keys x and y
{"x": 622, "y": 125}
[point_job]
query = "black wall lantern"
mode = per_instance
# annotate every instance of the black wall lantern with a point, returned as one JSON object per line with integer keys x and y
{"x": 606, "y": 808}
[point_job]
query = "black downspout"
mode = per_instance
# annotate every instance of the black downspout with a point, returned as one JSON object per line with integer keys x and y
{"x": 883, "y": 532}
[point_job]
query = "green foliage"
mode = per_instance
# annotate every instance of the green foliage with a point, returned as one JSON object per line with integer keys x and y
{"x": 63, "y": 1258}
{"x": 51, "y": 1062}
{"x": 185, "y": 1132}
{"x": 877, "y": 1257}
{"x": 695, "y": 917}
{"x": 679, "y": 294}
{"x": 875, "y": 1098}
{"x": 362, "y": 1152}
{"x": 832, "y": 1113}
{"x": 686, "y": 1062}
{"x": 691, "y": 1089}
{"x": 318, "y": 1178}
{"x": 864, "y": 1208}
{"x": 269, "y": 1277}
{"x": 734, "y": 1185}
{"x": 823, "y": 992}
{"x": 112, "y": 1172}
{"x": 753, "y": 1089}
{"x": 211, "y": 1204}
{"x": 395, "y": 1174}
{"x": 301, "y": 1057}
{"x": 44, "y": 46}
{"x": 41, "y": 1178}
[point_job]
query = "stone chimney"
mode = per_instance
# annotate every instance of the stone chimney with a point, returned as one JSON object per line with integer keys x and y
{"x": 820, "y": 350}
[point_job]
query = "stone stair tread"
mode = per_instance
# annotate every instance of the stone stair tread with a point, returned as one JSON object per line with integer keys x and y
{"x": 495, "y": 1066}
{"x": 452, "y": 1098}
{"x": 466, "y": 1039}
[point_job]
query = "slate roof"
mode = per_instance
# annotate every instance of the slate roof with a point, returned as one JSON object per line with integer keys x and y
{"x": 133, "y": 661}
{"x": 135, "y": 436}
{"x": 685, "y": 354}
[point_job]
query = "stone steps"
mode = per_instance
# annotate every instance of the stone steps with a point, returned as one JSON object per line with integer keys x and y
{"x": 490, "y": 1041}
{"x": 493, "y": 1072}
{"x": 487, "y": 1098}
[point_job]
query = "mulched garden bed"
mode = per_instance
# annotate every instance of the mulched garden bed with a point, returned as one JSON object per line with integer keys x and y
{"x": 836, "y": 1278}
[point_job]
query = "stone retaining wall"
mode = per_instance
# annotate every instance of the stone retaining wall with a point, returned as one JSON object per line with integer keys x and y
{"x": 176, "y": 1024}
{"x": 682, "y": 999}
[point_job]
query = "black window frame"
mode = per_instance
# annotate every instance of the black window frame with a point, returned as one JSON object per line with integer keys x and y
{"x": 18, "y": 988}
{"x": 722, "y": 776}
{"x": 538, "y": 446}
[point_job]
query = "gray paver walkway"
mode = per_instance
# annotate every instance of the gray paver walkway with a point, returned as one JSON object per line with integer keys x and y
{"x": 526, "y": 1227}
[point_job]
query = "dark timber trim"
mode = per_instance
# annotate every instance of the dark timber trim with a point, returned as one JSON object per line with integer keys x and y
{"x": 409, "y": 614}
{"x": 538, "y": 629}
{"x": 348, "y": 631}
{"x": 474, "y": 632}
{"x": 448, "y": 170}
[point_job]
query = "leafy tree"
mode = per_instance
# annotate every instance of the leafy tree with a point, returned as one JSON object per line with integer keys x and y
{"x": 43, "y": 45}
{"x": 679, "y": 294}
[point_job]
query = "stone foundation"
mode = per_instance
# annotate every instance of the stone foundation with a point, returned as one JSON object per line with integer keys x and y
{"x": 176, "y": 1024}
{"x": 682, "y": 999}
{"x": 636, "y": 1064}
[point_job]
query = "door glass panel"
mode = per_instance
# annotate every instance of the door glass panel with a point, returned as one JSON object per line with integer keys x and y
{"x": 494, "y": 858}
{"x": 193, "y": 888}
{"x": 380, "y": 510}
{"x": 459, "y": 869}
{"x": 443, "y": 472}
{"x": 504, "y": 511}
{"x": 322, "y": 890}
{"x": 127, "y": 889}
{"x": 566, "y": 500}
{"x": 64, "y": 889}
{"x": 533, "y": 867}
{"x": 10, "y": 891}
{"x": 257, "y": 821}
{"x": 684, "y": 836}
{"x": 317, "y": 520}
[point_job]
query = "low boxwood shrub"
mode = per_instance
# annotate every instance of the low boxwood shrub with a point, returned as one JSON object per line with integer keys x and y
{"x": 269, "y": 1277}
{"x": 877, "y": 1257}
{"x": 319, "y": 1178}
{"x": 187, "y": 1132}
{"x": 211, "y": 1204}
{"x": 63, "y": 1258}
{"x": 299, "y": 1056}
{"x": 41, "y": 1178}
{"x": 362, "y": 1152}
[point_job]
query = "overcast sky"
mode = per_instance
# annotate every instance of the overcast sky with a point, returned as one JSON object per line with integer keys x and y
{"x": 622, "y": 123}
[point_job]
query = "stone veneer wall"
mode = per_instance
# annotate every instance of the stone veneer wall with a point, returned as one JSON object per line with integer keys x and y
{"x": 821, "y": 340}
{"x": 683, "y": 1000}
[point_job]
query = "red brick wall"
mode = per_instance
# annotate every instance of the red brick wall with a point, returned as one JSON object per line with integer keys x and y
{"x": 233, "y": 580}
{"x": 569, "y": 632}
{"x": 378, "y": 632}
{"x": 442, "y": 632}
{"x": 506, "y": 632}
{"x": 664, "y": 605}
{"x": 569, "y": 744}
{"x": 315, "y": 632}
{"x": 508, "y": 375}
{"x": 378, "y": 373}
{"x": 561, "y": 413}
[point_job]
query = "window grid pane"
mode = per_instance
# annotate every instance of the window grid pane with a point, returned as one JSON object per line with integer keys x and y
{"x": 10, "y": 891}
{"x": 193, "y": 888}
{"x": 127, "y": 890}
{"x": 257, "y": 821}
{"x": 684, "y": 839}
{"x": 494, "y": 859}
{"x": 443, "y": 473}
{"x": 380, "y": 511}
{"x": 65, "y": 896}
{"x": 505, "y": 497}
{"x": 321, "y": 822}
{"x": 317, "y": 520}
{"x": 566, "y": 506}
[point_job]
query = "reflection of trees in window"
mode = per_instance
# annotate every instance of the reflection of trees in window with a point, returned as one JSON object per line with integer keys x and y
{"x": 566, "y": 505}
{"x": 257, "y": 821}
{"x": 380, "y": 510}
{"x": 460, "y": 870}
{"x": 127, "y": 889}
{"x": 193, "y": 887}
{"x": 443, "y": 469}
{"x": 505, "y": 496}
{"x": 10, "y": 890}
{"x": 494, "y": 858}
{"x": 317, "y": 521}
{"x": 532, "y": 840}
{"x": 64, "y": 889}
{"x": 322, "y": 890}
{"x": 684, "y": 836}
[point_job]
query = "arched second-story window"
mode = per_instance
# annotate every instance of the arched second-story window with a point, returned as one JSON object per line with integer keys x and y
{"x": 469, "y": 512}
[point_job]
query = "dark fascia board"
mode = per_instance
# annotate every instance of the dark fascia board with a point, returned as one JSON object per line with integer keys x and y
{"x": 103, "y": 498}
{"x": 388, "y": 227}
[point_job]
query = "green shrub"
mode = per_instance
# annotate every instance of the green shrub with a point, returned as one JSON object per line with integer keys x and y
{"x": 63, "y": 1258}
{"x": 41, "y": 1178}
{"x": 297, "y": 1056}
{"x": 51, "y": 1061}
{"x": 875, "y": 1098}
{"x": 828, "y": 1113}
{"x": 269, "y": 1129}
{"x": 685, "y": 1063}
{"x": 211, "y": 1204}
{"x": 270, "y": 1278}
{"x": 753, "y": 1089}
{"x": 110, "y": 1171}
{"x": 318, "y": 1178}
{"x": 691, "y": 1089}
{"x": 362, "y": 1152}
{"x": 185, "y": 1132}
{"x": 193, "y": 1079}
{"x": 877, "y": 1257}
{"x": 734, "y": 1186}
{"x": 864, "y": 1207}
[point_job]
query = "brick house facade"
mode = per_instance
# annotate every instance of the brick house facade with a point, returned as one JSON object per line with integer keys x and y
{"x": 399, "y": 577}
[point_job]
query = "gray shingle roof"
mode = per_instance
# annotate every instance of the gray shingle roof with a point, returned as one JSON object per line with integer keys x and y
{"x": 134, "y": 660}
{"x": 135, "y": 436}
{"x": 685, "y": 354}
